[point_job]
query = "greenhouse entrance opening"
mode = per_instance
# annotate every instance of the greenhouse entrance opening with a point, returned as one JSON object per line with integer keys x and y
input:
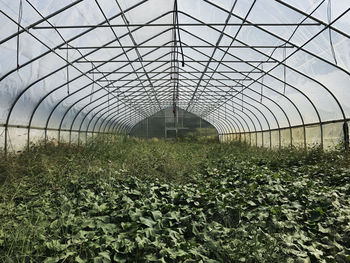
{"x": 174, "y": 124}
{"x": 171, "y": 133}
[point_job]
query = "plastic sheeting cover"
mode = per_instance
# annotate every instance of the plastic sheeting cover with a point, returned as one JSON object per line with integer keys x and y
{"x": 250, "y": 65}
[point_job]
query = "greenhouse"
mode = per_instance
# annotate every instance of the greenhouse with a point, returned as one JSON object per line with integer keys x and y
{"x": 174, "y": 131}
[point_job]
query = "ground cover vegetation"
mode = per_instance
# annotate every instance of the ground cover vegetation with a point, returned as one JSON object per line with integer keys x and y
{"x": 127, "y": 200}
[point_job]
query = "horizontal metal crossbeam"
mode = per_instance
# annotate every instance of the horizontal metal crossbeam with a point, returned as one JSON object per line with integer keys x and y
{"x": 192, "y": 46}
{"x": 185, "y": 61}
{"x": 151, "y": 72}
{"x": 170, "y": 25}
{"x": 130, "y": 80}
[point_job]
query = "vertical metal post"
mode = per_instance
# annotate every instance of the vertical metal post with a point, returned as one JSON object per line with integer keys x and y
{"x": 147, "y": 132}
{"x": 279, "y": 139}
{"x": 177, "y": 117}
{"x": 70, "y": 137}
{"x": 45, "y": 135}
{"x": 5, "y": 142}
{"x": 164, "y": 124}
{"x": 321, "y": 130}
{"x": 346, "y": 135}
{"x": 28, "y": 138}
{"x": 183, "y": 116}
{"x": 79, "y": 137}
{"x": 304, "y": 131}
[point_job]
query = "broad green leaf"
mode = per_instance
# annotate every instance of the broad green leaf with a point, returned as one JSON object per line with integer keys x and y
{"x": 105, "y": 255}
{"x": 52, "y": 260}
{"x": 157, "y": 215}
{"x": 147, "y": 221}
{"x": 78, "y": 259}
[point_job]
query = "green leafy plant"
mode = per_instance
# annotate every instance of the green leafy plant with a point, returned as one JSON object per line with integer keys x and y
{"x": 125, "y": 200}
